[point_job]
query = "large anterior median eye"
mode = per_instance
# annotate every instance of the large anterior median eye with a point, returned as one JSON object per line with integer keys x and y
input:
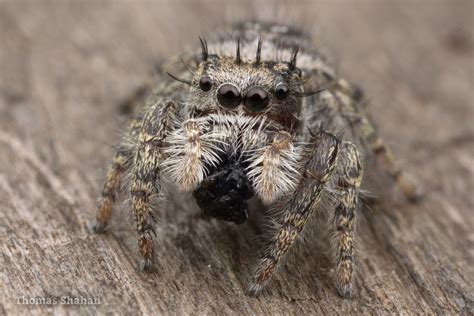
{"x": 229, "y": 96}
{"x": 205, "y": 83}
{"x": 256, "y": 99}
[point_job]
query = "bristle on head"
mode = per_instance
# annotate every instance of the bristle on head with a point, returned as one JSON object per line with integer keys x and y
{"x": 185, "y": 81}
{"x": 259, "y": 51}
{"x": 238, "y": 59}
{"x": 294, "y": 55}
{"x": 204, "y": 49}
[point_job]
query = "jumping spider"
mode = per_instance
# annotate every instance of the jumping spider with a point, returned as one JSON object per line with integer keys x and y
{"x": 249, "y": 122}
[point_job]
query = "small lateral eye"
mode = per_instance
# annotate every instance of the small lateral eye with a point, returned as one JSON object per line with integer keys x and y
{"x": 205, "y": 83}
{"x": 281, "y": 91}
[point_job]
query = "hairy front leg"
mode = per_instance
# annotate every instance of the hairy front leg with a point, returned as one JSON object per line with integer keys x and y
{"x": 297, "y": 211}
{"x": 349, "y": 176}
{"x": 145, "y": 175}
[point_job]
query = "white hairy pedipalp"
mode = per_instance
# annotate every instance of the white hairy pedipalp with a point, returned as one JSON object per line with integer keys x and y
{"x": 200, "y": 143}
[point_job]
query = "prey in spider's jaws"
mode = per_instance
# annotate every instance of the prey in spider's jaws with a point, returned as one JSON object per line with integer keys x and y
{"x": 240, "y": 119}
{"x": 236, "y": 154}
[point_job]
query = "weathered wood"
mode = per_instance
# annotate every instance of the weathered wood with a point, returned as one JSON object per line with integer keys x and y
{"x": 64, "y": 65}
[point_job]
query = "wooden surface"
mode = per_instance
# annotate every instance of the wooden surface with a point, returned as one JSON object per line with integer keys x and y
{"x": 64, "y": 66}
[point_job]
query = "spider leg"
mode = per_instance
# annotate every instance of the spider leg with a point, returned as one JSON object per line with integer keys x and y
{"x": 145, "y": 174}
{"x": 349, "y": 176}
{"x": 120, "y": 164}
{"x": 300, "y": 206}
{"x": 349, "y": 101}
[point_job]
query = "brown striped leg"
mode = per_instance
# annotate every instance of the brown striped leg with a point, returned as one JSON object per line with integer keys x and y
{"x": 305, "y": 200}
{"x": 361, "y": 124}
{"x": 145, "y": 177}
{"x": 349, "y": 175}
{"x": 120, "y": 164}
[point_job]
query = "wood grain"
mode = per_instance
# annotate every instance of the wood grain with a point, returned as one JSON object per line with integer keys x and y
{"x": 64, "y": 67}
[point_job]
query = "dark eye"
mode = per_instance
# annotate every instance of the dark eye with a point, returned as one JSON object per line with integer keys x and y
{"x": 205, "y": 83}
{"x": 281, "y": 91}
{"x": 256, "y": 99}
{"x": 229, "y": 96}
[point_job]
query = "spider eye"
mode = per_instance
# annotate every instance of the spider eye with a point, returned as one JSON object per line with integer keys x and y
{"x": 256, "y": 99}
{"x": 205, "y": 83}
{"x": 229, "y": 96}
{"x": 281, "y": 91}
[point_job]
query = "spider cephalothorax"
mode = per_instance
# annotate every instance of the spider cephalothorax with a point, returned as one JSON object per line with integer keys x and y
{"x": 248, "y": 123}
